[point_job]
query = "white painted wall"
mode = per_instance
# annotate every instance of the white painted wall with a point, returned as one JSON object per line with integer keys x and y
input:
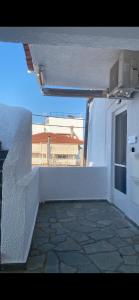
{"x": 102, "y": 149}
{"x": 73, "y": 183}
{"x": 97, "y": 133}
{"x": 20, "y": 192}
{"x": 29, "y": 194}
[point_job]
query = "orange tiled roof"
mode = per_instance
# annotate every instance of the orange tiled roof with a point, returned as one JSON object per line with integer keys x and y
{"x": 55, "y": 138}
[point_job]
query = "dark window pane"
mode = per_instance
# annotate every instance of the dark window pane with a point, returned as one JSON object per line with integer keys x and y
{"x": 120, "y": 138}
{"x": 120, "y": 179}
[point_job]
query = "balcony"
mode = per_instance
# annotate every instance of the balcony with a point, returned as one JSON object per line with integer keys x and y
{"x": 57, "y": 220}
{"x": 82, "y": 237}
{"x": 61, "y": 220}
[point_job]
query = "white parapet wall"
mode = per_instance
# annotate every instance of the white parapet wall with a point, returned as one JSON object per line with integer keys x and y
{"x": 73, "y": 183}
{"x": 20, "y": 190}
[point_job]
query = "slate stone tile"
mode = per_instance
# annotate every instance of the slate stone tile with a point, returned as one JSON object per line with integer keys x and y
{"x": 68, "y": 245}
{"x": 101, "y": 246}
{"x": 35, "y": 262}
{"x": 89, "y": 268}
{"x": 67, "y": 269}
{"x": 124, "y": 232}
{"x": 52, "y": 259}
{"x": 129, "y": 269}
{"x": 104, "y": 222}
{"x": 106, "y": 261}
{"x": 118, "y": 242}
{"x": 130, "y": 259}
{"x": 102, "y": 234}
{"x": 128, "y": 250}
{"x": 136, "y": 247}
{"x": 73, "y": 258}
{"x": 56, "y": 239}
{"x": 46, "y": 247}
{"x": 135, "y": 239}
{"x": 79, "y": 236}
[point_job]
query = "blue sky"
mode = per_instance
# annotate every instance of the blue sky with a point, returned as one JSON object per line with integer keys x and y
{"x": 18, "y": 88}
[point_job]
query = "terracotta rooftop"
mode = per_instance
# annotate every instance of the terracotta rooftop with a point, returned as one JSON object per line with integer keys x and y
{"x": 55, "y": 138}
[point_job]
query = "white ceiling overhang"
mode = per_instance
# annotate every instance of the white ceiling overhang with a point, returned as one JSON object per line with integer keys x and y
{"x": 74, "y": 66}
{"x": 74, "y": 56}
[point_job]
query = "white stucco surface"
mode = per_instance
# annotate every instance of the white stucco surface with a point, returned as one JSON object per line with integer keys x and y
{"x": 84, "y": 67}
{"x": 28, "y": 193}
{"x": 20, "y": 190}
{"x": 107, "y": 37}
{"x": 73, "y": 183}
{"x": 10, "y": 119}
{"x": 97, "y": 133}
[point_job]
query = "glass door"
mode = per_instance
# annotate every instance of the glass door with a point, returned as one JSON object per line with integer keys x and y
{"x": 120, "y": 149}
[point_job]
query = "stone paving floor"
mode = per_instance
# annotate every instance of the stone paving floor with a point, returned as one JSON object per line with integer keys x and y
{"x": 83, "y": 237}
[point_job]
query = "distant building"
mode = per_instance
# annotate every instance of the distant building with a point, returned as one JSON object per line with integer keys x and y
{"x": 53, "y": 149}
{"x": 66, "y": 125}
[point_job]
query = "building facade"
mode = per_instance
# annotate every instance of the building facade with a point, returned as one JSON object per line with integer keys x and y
{"x": 51, "y": 149}
{"x": 64, "y": 125}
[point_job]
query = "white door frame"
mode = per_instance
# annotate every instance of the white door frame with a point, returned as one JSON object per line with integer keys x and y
{"x": 115, "y": 112}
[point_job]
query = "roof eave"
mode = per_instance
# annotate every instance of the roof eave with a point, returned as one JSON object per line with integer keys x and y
{"x": 28, "y": 57}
